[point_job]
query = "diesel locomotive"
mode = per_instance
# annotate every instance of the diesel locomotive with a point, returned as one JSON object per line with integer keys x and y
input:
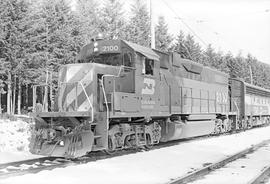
{"x": 121, "y": 95}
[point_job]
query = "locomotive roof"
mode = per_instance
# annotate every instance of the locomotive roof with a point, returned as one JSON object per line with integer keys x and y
{"x": 88, "y": 49}
{"x": 257, "y": 87}
{"x": 252, "y": 89}
{"x": 154, "y": 54}
{"x": 146, "y": 51}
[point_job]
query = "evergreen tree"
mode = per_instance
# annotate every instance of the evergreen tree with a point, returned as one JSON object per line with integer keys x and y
{"x": 55, "y": 39}
{"x": 89, "y": 21}
{"x": 13, "y": 43}
{"x": 232, "y": 65}
{"x": 163, "y": 38}
{"x": 138, "y": 29}
{"x": 112, "y": 21}
{"x": 180, "y": 47}
{"x": 194, "y": 48}
{"x": 257, "y": 69}
{"x": 210, "y": 57}
{"x": 188, "y": 48}
{"x": 214, "y": 59}
{"x": 266, "y": 76}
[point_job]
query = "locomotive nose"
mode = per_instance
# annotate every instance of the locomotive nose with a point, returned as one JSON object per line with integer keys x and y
{"x": 76, "y": 88}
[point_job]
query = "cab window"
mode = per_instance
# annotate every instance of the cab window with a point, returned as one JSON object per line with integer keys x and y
{"x": 127, "y": 59}
{"x": 148, "y": 66}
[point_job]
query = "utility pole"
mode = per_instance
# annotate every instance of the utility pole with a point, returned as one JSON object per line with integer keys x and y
{"x": 250, "y": 73}
{"x": 152, "y": 25}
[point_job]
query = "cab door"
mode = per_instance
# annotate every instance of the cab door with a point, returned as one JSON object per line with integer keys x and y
{"x": 148, "y": 83}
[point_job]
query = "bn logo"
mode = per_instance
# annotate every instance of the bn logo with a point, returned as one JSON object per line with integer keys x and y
{"x": 149, "y": 86}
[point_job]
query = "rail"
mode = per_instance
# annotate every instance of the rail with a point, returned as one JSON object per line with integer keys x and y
{"x": 196, "y": 175}
{"x": 263, "y": 175}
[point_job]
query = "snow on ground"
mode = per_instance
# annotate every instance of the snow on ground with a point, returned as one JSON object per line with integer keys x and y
{"x": 241, "y": 171}
{"x": 151, "y": 167}
{"x": 14, "y": 140}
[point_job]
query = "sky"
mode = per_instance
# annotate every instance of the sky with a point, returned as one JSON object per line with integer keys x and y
{"x": 236, "y": 26}
{"x": 229, "y": 25}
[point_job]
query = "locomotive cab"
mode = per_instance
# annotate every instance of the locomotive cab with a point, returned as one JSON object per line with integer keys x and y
{"x": 134, "y": 84}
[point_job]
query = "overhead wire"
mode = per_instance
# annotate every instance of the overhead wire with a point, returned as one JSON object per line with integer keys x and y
{"x": 190, "y": 29}
{"x": 267, "y": 10}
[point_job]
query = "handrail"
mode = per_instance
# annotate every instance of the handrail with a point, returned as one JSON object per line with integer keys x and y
{"x": 91, "y": 105}
{"x": 238, "y": 112}
{"x": 104, "y": 93}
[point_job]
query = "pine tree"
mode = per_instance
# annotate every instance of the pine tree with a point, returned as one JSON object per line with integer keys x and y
{"x": 257, "y": 69}
{"x": 215, "y": 59}
{"x": 188, "y": 48}
{"x": 210, "y": 57}
{"x": 163, "y": 38}
{"x": 194, "y": 48}
{"x": 243, "y": 68}
{"x": 13, "y": 20}
{"x": 54, "y": 37}
{"x": 89, "y": 21}
{"x": 112, "y": 22}
{"x": 266, "y": 76}
{"x": 138, "y": 28}
{"x": 232, "y": 65}
{"x": 180, "y": 47}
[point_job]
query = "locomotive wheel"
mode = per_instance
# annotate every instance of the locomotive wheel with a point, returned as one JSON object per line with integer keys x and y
{"x": 111, "y": 147}
{"x": 148, "y": 144}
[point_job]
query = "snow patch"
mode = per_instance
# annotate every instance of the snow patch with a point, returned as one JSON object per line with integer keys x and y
{"x": 150, "y": 167}
{"x": 14, "y": 135}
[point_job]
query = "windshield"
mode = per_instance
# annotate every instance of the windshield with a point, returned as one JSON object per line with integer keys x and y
{"x": 108, "y": 59}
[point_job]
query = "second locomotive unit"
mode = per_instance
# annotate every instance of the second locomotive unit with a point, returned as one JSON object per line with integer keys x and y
{"x": 122, "y": 95}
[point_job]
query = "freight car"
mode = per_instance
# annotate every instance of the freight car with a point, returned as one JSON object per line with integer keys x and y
{"x": 122, "y": 95}
{"x": 252, "y": 104}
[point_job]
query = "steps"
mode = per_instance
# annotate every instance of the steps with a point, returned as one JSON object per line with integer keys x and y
{"x": 139, "y": 141}
{"x": 100, "y": 136}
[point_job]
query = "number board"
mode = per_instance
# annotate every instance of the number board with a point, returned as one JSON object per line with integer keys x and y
{"x": 109, "y": 46}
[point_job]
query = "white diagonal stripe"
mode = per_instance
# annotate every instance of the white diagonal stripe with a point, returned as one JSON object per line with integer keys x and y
{"x": 72, "y": 71}
{"x": 85, "y": 106}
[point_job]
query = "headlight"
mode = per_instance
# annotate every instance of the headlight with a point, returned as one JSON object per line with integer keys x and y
{"x": 61, "y": 143}
{"x": 95, "y": 49}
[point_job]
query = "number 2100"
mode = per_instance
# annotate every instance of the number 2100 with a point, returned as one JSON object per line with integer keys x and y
{"x": 110, "y": 48}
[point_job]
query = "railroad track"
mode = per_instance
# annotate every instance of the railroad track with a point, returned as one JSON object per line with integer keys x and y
{"x": 48, "y": 163}
{"x": 203, "y": 172}
{"x": 30, "y": 166}
{"x": 263, "y": 177}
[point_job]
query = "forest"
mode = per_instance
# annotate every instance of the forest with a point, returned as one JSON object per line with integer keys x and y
{"x": 36, "y": 37}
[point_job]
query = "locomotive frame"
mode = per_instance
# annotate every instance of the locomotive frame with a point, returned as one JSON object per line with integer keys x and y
{"x": 122, "y": 95}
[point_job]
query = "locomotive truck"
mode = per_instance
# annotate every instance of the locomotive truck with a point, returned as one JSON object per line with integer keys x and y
{"x": 121, "y": 95}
